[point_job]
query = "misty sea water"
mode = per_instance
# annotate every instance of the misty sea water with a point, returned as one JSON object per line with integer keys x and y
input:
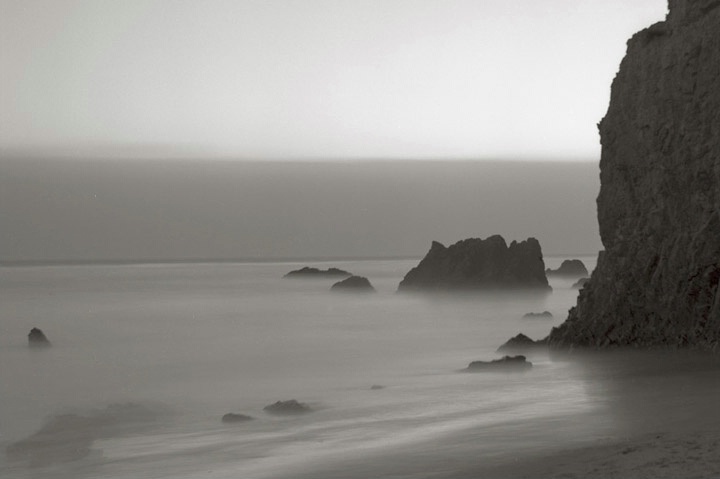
{"x": 188, "y": 343}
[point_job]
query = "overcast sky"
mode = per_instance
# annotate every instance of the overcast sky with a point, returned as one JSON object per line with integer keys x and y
{"x": 313, "y": 78}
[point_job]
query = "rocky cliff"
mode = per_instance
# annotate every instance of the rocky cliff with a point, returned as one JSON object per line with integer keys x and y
{"x": 475, "y": 263}
{"x": 656, "y": 283}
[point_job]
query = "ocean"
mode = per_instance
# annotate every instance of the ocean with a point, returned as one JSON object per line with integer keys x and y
{"x": 146, "y": 359}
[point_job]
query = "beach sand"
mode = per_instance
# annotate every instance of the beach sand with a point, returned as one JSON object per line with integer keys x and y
{"x": 666, "y": 406}
{"x": 659, "y": 455}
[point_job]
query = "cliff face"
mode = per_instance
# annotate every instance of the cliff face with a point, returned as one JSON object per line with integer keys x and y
{"x": 474, "y": 264}
{"x": 656, "y": 283}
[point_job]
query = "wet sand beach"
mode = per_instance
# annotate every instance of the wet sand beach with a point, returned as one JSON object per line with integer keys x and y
{"x": 665, "y": 404}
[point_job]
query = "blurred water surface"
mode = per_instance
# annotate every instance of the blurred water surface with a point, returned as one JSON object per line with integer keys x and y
{"x": 147, "y": 358}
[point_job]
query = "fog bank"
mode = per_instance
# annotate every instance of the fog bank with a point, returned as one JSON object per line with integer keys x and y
{"x": 120, "y": 210}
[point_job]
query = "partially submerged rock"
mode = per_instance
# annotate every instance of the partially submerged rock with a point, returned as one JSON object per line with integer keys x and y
{"x": 354, "y": 283}
{"x": 479, "y": 264}
{"x": 308, "y": 272}
{"x": 506, "y": 363}
{"x": 375, "y": 387}
{"x": 232, "y": 417}
{"x": 37, "y": 339}
{"x": 570, "y": 268}
{"x": 522, "y": 343}
{"x": 69, "y": 437}
{"x": 543, "y": 315}
{"x": 580, "y": 283}
{"x": 288, "y": 407}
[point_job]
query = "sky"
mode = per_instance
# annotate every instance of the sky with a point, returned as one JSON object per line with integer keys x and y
{"x": 311, "y": 79}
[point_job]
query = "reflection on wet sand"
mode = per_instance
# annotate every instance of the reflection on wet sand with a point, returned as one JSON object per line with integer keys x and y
{"x": 650, "y": 411}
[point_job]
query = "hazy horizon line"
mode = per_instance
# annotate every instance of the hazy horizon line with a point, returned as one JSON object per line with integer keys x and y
{"x": 281, "y": 259}
{"x": 11, "y": 154}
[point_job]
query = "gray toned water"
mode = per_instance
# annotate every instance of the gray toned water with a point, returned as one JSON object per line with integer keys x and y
{"x": 147, "y": 358}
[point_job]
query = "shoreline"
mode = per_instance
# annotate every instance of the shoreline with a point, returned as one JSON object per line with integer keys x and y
{"x": 662, "y": 454}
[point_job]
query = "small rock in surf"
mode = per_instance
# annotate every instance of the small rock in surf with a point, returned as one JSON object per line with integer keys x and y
{"x": 232, "y": 417}
{"x": 506, "y": 363}
{"x": 37, "y": 339}
{"x": 287, "y": 407}
{"x": 308, "y": 272}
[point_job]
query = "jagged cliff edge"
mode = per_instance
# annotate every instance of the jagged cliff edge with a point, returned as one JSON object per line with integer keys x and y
{"x": 656, "y": 283}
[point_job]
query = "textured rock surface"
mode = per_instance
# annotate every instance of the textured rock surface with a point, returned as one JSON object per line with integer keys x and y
{"x": 656, "y": 283}
{"x": 479, "y": 264}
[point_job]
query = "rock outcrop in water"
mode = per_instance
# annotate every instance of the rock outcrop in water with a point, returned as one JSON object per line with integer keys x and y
{"x": 69, "y": 437}
{"x": 543, "y": 315}
{"x": 289, "y": 407}
{"x": 506, "y": 363}
{"x": 477, "y": 264}
{"x": 570, "y": 268}
{"x": 579, "y": 284}
{"x": 308, "y": 272}
{"x": 521, "y": 344}
{"x": 656, "y": 283}
{"x": 358, "y": 284}
{"x": 232, "y": 418}
{"x": 37, "y": 339}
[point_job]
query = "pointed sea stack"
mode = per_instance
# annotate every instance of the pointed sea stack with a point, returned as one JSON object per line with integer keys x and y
{"x": 477, "y": 264}
{"x": 656, "y": 284}
{"x": 37, "y": 339}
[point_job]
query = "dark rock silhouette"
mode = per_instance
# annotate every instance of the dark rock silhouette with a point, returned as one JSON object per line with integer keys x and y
{"x": 354, "y": 283}
{"x": 37, "y": 339}
{"x": 375, "y": 387}
{"x": 69, "y": 437}
{"x": 232, "y": 417}
{"x": 477, "y": 264}
{"x": 289, "y": 407}
{"x": 506, "y": 363}
{"x": 657, "y": 281}
{"x": 522, "y": 343}
{"x": 570, "y": 268}
{"x": 308, "y": 272}
{"x": 543, "y": 315}
{"x": 580, "y": 283}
